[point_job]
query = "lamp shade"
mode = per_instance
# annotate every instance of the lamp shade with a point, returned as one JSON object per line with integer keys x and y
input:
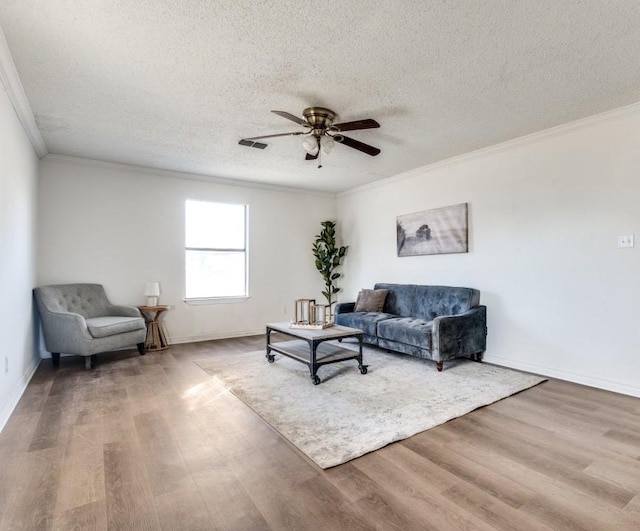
{"x": 152, "y": 289}
{"x": 327, "y": 144}
{"x": 310, "y": 145}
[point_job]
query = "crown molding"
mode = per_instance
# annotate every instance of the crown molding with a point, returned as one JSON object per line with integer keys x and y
{"x": 12, "y": 84}
{"x": 525, "y": 140}
{"x": 53, "y": 158}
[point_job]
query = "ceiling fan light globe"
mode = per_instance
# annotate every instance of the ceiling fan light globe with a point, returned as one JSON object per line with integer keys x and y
{"x": 310, "y": 145}
{"x": 327, "y": 144}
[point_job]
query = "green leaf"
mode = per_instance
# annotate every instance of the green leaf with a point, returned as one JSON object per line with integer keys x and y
{"x": 327, "y": 257}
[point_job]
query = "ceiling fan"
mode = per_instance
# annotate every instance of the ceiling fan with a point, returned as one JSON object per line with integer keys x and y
{"x": 321, "y": 132}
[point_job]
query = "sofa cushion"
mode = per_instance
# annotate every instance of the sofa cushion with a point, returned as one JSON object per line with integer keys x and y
{"x": 371, "y": 300}
{"x": 400, "y": 299}
{"x": 428, "y": 302}
{"x": 365, "y": 321}
{"x": 435, "y": 301}
{"x": 108, "y": 326}
{"x": 408, "y": 330}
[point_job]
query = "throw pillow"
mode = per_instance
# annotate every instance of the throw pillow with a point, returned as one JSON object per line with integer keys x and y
{"x": 371, "y": 300}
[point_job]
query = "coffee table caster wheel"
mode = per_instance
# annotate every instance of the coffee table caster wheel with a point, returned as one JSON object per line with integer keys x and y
{"x": 315, "y": 379}
{"x": 271, "y": 358}
{"x": 363, "y": 369}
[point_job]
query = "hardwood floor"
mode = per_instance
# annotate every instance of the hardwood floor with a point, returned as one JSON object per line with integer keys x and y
{"x": 152, "y": 442}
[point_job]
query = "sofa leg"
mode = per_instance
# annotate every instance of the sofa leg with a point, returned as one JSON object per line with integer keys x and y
{"x": 439, "y": 365}
{"x": 55, "y": 359}
{"x": 87, "y": 362}
{"x": 141, "y": 349}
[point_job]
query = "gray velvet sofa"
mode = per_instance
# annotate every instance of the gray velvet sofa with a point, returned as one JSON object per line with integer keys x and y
{"x": 433, "y": 322}
{"x": 79, "y": 319}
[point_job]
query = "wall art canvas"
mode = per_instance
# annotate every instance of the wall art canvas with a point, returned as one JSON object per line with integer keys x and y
{"x": 437, "y": 231}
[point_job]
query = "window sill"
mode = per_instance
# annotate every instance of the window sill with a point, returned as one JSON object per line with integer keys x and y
{"x": 215, "y": 300}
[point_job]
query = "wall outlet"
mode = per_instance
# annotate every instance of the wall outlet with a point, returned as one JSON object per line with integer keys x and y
{"x": 284, "y": 310}
{"x": 6, "y": 365}
{"x": 625, "y": 241}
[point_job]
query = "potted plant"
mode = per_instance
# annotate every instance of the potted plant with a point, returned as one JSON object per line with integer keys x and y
{"x": 328, "y": 258}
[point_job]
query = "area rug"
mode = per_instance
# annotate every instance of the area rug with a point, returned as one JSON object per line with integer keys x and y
{"x": 350, "y": 414}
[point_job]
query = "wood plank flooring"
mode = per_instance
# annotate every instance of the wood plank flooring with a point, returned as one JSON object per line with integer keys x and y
{"x": 152, "y": 442}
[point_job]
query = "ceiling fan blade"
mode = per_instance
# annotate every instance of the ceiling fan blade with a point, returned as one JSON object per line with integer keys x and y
{"x": 358, "y": 124}
{"x": 360, "y": 146}
{"x": 309, "y": 156}
{"x": 251, "y": 143}
{"x": 272, "y": 136}
{"x": 291, "y": 117}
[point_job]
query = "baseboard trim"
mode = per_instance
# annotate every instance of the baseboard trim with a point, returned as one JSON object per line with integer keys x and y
{"x": 14, "y": 398}
{"x": 599, "y": 383}
{"x": 211, "y": 337}
{"x": 550, "y": 372}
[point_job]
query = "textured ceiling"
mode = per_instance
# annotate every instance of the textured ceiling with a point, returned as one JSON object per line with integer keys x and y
{"x": 175, "y": 84}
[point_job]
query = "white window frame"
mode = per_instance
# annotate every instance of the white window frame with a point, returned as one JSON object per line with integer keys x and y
{"x": 244, "y": 250}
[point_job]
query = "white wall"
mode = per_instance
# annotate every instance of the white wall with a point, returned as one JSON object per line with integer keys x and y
{"x": 122, "y": 226}
{"x": 544, "y": 215}
{"x": 18, "y": 181}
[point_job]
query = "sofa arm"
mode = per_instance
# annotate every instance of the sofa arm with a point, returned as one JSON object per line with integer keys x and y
{"x": 123, "y": 311}
{"x": 344, "y": 307}
{"x": 460, "y": 335}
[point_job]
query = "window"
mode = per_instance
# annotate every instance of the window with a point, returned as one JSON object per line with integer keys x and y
{"x": 216, "y": 250}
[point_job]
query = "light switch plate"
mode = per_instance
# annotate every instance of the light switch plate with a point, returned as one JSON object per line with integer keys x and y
{"x": 625, "y": 241}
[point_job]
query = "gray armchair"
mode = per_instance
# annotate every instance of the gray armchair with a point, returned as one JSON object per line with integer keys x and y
{"x": 79, "y": 319}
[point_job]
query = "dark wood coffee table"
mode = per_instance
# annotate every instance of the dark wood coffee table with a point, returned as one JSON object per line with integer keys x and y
{"x": 310, "y": 347}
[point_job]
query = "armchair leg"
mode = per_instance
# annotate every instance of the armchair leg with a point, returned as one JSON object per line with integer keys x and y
{"x": 439, "y": 365}
{"x": 141, "y": 349}
{"x": 55, "y": 359}
{"x": 90, "y": 361}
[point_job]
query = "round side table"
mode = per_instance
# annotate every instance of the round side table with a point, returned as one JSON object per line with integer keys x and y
{"x": 156, "y": 338}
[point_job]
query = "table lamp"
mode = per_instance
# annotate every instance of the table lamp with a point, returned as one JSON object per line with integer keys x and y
{"x": 152, "y": 292}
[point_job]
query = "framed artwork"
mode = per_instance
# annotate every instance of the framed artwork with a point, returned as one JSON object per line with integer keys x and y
{"x": 438, "y": 231}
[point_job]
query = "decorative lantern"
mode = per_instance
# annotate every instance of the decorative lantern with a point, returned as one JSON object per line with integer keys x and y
{"x": 320, "y": 314}
{"x": 308, "y": 314}
{"x": 302, "y": 312}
